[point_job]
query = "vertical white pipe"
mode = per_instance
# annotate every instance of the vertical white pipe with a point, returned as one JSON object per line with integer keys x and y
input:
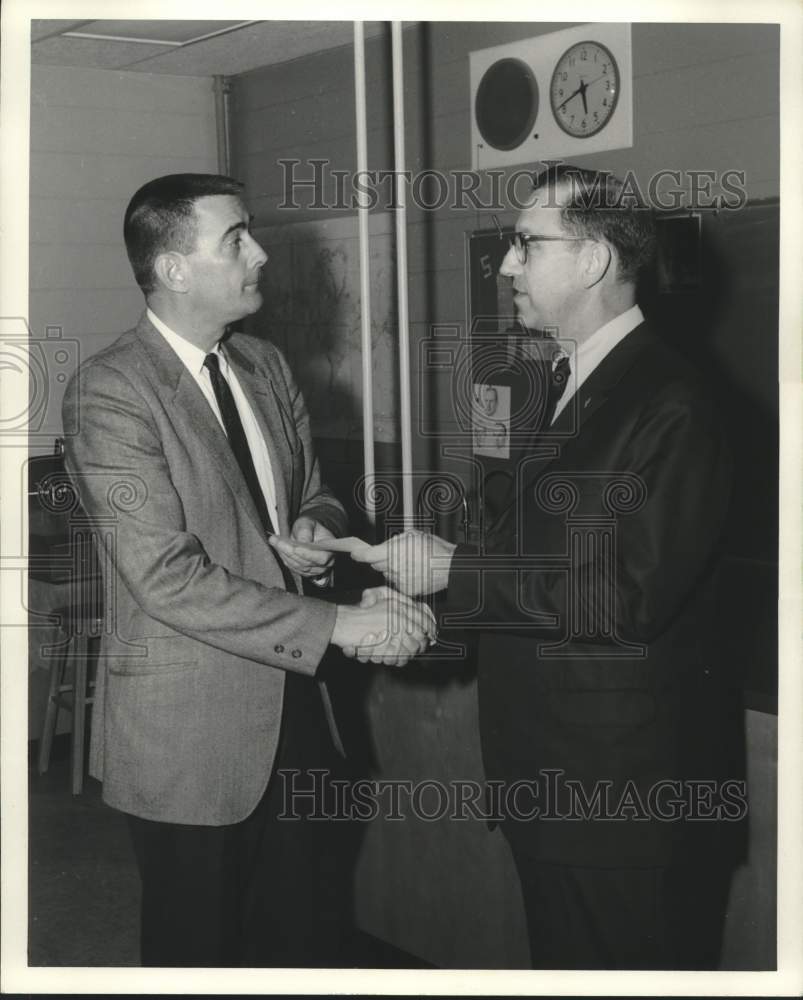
{"x": 401, "y": 274}
{"x": 221, "y": 90}
{"x": 365, "y": 278}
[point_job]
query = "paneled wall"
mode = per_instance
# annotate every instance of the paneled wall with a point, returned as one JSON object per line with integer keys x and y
{"x": 96, "y": 136}
{"x": 705, "y": 98}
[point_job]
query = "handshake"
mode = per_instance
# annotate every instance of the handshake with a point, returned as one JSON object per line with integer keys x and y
{"x": 388, "y": 626}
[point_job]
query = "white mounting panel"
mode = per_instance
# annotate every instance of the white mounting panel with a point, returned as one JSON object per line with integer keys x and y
{"x": 541, "y": 54}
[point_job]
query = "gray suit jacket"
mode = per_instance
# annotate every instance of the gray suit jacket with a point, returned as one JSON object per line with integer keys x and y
{"x": 200, "y": 628}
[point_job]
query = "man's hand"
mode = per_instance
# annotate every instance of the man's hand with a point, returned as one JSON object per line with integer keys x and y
{"x": 386, "y": 627}
{"x": 300, "y": 558}
{"x": 414, "y": 563}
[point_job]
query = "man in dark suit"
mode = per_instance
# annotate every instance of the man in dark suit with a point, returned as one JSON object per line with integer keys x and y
{"x": 192, "y": 454}
{"x": 602, "y": 708}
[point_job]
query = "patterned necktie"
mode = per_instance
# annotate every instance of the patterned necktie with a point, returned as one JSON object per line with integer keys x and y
{"x": 237, "y": 438}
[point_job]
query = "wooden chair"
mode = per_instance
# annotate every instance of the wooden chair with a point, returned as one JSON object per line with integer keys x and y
{"x": 61, "y": 551}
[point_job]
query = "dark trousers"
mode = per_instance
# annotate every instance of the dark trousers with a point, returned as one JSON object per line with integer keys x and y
{"x": 624, "y": 918}
{"x": 262, "y": 892}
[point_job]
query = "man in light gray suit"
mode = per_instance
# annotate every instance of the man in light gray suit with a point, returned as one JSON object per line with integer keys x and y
{"x": 192, "y": 453}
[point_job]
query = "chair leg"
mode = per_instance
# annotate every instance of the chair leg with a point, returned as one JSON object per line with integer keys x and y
{"x": 52, "y": 710}
{"x": 79, "y": 714}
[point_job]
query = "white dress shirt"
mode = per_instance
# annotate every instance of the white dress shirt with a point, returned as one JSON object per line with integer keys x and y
{"x": 590, "y": 354}
{"x": 193, "y": 360}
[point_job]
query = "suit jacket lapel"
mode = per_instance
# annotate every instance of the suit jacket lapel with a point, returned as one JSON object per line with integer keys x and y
{"x": 189, "y": 405}
{"x": 259, "y": 388}
{"x": 546, "y": 446}
{"x": 595, "y": 391}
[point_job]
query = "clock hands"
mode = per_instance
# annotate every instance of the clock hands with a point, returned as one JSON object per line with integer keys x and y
{"x": 581, "y": 90}
{"x": 596, "y": 78}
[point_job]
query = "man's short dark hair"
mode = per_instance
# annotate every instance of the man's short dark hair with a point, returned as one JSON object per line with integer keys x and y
{"x": 601, "y": 207}
{"x": 161, "y": 217}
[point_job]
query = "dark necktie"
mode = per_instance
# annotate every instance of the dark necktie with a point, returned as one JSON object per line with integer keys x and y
{"x": 239, "y": 445}
{"x": 237, "y": 438}
{"x": 559, "y": 379}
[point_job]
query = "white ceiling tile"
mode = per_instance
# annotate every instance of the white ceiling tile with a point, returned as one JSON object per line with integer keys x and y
{"x": 89, "y": 52}
{"x": 250, "y": 47}
{"x": 46, "y": 28}
{"x": 163, "y": 31}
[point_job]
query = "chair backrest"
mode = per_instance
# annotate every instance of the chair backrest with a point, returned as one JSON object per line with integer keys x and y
{"x": 60, "y": 546}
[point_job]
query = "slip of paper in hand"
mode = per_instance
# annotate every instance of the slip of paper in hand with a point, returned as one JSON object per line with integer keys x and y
{"x": 349, "y": 545}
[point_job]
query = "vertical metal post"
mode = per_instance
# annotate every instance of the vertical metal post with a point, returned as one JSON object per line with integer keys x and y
{"x": 365, "y": 278}
{"x": 222, "y": 124}
{"x": 401, "y": 274}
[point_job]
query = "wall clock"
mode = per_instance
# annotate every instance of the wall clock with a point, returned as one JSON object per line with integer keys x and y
{"x": 584, "y": 90}
{"x": 584, "y": 77}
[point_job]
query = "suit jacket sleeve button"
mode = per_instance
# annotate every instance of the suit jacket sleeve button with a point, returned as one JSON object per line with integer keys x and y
{"x": 279, "y": 648}
{"x": 296, "y": 653}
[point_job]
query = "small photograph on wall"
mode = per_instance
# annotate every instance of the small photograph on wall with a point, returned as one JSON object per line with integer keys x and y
{"x": 491, "y": 420}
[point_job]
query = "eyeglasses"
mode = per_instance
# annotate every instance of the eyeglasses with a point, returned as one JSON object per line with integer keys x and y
{"x": 520, "y": 241}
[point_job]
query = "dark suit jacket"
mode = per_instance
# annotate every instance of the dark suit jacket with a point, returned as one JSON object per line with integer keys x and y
{"x": 200, "y": 627}
{"x": 593, "y": 658}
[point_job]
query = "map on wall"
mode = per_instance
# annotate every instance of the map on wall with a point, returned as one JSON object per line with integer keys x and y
{"x": 312, "y": 312}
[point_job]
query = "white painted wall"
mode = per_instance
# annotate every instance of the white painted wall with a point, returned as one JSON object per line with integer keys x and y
{"x": 96, "y": 136}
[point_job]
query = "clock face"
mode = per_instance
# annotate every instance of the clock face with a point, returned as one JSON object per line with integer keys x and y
{"x": 584, "y": 89}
